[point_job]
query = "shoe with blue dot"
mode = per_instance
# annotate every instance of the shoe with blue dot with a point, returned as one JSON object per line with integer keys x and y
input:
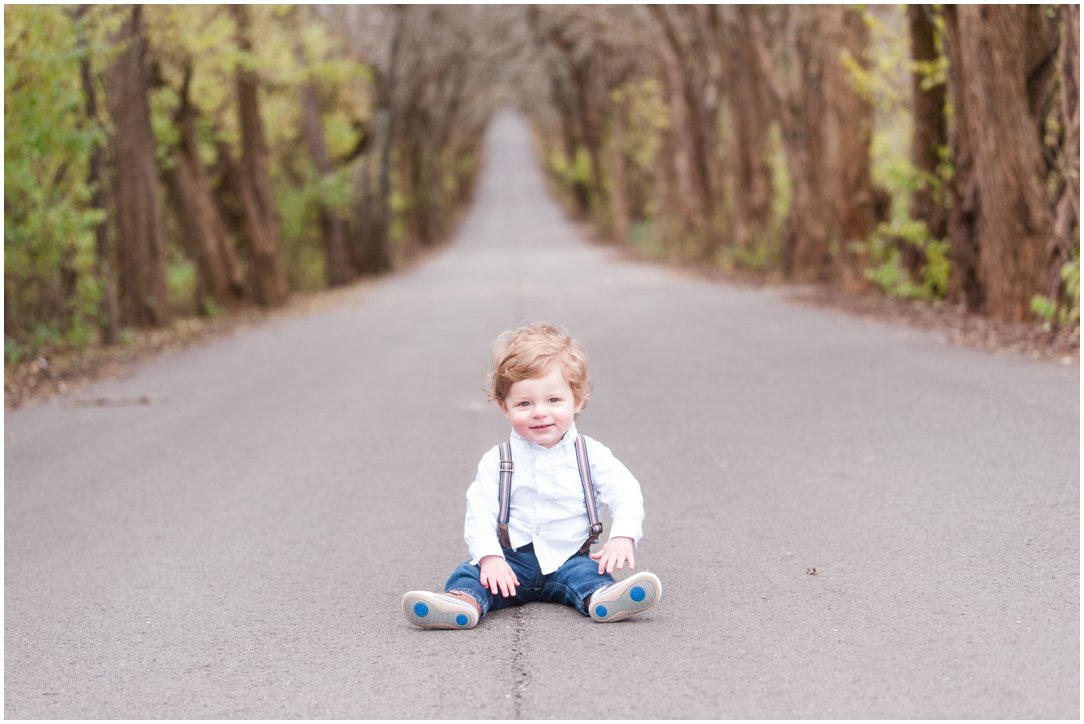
{"x": 438, "y": 610}
{"x": 634, "y": 595}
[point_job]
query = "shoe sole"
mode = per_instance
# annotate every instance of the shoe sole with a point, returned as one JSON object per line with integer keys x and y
{"x": 433, "y": 610}
{"x": 634, "y": 595}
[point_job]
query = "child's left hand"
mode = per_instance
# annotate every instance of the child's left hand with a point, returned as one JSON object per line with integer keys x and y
{"x": 616, "y": 551}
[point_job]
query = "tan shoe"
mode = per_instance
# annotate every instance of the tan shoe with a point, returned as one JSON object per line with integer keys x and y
{"x": 634, "y": 595}
{"x": 438, "y": 610}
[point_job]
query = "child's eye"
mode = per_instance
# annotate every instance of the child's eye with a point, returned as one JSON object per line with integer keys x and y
{"x": 523, "y": 404}
{"x": 555, "y": 400}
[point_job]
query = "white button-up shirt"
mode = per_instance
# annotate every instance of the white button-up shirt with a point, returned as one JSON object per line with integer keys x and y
{"x": 547, "y": 506}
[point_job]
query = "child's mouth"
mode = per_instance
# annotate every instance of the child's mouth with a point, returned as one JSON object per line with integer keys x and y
{"x": 542, "y": 427}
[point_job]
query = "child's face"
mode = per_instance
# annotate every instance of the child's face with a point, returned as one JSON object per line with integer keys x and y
{"x": 541, "y": 409}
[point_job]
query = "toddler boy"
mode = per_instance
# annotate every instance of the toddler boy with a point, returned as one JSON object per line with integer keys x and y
{"x": 531, "y": 510}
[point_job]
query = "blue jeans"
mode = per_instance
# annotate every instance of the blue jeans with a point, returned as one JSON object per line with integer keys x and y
{"x": 570, "y": 584}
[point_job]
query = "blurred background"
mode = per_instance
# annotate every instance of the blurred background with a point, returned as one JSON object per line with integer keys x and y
{"x": 166, "y": 166}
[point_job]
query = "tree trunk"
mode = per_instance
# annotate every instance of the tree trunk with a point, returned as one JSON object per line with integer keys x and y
{"x": 563, "y": 97}
{"x": 848, "y": 128}
{"x": 930, "y": 134}
{"x": 966, "y": 284}
{"x": 750, "y": 145}
{"x": 566, "y": 115}
{"x": 681, "y": 142}
{"x": 253, "y": 180}
{"x": 206, "y": 238}
{"x": 337, "y": 265}
{"x": 699, "y": 71}
{"x": 588, "y": 117}
{"x": 108, "y": 315}
{"x": 581, "y": 190}
{"x": 694, "y": 124}
{"x": 266, "y": 283}
{"x": 667, "y": 170}
{"x": 1066, "y": 236}
{"x": 141, "y": 247}
{"x": 370, "y": 252}
{"x": 1015, "y": 222}
{"x": 619, "y": 207}
{"x": 791, "y": 62}
{"x": 418, "y": 174}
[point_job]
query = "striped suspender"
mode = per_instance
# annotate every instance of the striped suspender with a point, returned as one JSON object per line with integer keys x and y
{"x": 505, "y": 494}
{"x": 588, "y": 492}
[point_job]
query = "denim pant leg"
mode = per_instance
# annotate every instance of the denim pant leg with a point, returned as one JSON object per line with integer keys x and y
{"x": 573, "y": 582}
{"x": 467, "y": 578}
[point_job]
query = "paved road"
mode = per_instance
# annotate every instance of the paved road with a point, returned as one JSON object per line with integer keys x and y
{"x": 240, "y": 547}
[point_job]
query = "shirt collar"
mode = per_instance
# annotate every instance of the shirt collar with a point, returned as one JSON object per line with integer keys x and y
{"x": 567, "y": 441}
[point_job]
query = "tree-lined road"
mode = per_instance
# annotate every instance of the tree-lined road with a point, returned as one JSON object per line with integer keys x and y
{"x": 239, "y": 548}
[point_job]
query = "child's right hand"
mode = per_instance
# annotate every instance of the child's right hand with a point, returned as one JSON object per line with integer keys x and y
{"x": 498, "y": 576}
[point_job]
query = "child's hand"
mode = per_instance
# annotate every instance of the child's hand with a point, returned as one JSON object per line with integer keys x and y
{"x": 616, "y": 551}
{"x": 497, "y": 575}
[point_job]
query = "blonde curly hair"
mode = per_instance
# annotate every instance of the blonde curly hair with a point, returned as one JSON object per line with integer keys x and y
{"x": 530, "y": 352}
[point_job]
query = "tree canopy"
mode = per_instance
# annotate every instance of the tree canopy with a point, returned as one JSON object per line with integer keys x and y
{"x": 163, "y": 161}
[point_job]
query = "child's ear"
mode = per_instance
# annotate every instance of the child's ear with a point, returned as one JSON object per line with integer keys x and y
{"x": 504, "y": 407}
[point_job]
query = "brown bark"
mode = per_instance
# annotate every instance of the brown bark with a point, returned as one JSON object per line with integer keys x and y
{"x": 370, "y": 250}
{"x": 581, "y": 191}
{"x": 431, "y": 100}
{"x": 965, "y": 285}
{"x": 418, "y": 176}
{"x": 680, "y": 140}
{"x": 701, "y": 77}
{"x": 333, "y": 227}
{"x": 1066, "y": 235}
{"x": 751, "y": 142}
{"x": 413, "y": 163}
{"x": 141, "y": 247}
{"x": 1015, "y": 222}
{"x": 848, "y": 127}
{"x": 930, "y": 134}
{"x": 108, "y": 314}
{"x": 266, "y": 280}
{"x": 589, "y": 120}
{"x": 668, "y": 170}
{"x": 561, "y": 96}
{"x": 694, "y": 122}
{"x": 253, "y": 180}
{"x": 570, "y": 76}
{"x": 791, "y": 62}
{"x": 618, "y": 196}
{"x": 206, "y": 239}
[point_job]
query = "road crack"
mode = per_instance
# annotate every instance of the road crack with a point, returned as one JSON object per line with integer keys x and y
{"x": 520, "y": 674}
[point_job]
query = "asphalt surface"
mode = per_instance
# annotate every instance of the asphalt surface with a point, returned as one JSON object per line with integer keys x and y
{"x": 239, "y": 548}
